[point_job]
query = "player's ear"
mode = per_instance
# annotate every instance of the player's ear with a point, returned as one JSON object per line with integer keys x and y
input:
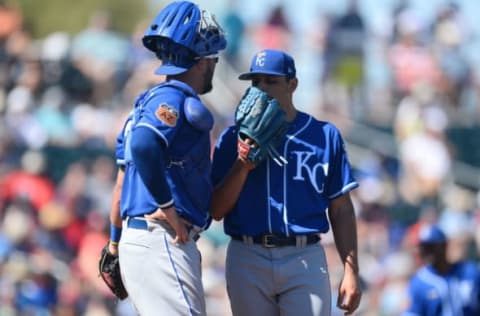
{"x": 292, "y": 84}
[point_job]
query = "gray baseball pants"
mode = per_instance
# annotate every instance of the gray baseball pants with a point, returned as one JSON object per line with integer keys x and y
{"x": 284, "y": 281}
{"x": 161, "y": 278}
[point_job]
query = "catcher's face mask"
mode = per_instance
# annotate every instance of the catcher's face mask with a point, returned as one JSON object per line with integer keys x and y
{"x": 181, "y": 32}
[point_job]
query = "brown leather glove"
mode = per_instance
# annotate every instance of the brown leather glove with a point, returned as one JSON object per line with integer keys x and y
{"x": 109, "y": 270}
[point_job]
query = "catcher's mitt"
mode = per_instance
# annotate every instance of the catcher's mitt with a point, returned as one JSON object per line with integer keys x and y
{"x": 109, "y": 269}
{"x": 260, "y": 118}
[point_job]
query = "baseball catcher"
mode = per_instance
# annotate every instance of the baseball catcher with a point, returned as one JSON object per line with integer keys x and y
{"x": 109, "y": 270}
{"x": 260, "y": 119}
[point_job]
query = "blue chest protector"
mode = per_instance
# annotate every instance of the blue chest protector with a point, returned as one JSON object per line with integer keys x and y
{"x": 177, "y": 117}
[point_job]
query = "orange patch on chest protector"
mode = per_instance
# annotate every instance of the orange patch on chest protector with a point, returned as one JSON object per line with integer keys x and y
{"x": 167, "y": 114}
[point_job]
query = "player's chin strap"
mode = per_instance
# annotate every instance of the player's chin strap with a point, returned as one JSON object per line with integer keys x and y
{"x": 275, "y": 155}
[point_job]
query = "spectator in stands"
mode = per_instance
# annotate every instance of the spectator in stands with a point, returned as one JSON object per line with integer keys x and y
{"x": 411, "y": 60}
{"x": 345, "y": 48}
{"x": 275, "y": 33}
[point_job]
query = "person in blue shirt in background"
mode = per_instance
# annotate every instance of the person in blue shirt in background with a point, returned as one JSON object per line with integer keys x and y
{"x": 162, "y": 194}
{"x": 275, "y": 214}
{"x": 441, "y": 287}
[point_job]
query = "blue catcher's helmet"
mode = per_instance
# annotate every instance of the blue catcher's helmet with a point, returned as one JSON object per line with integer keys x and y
{"x": 180, "y": 34}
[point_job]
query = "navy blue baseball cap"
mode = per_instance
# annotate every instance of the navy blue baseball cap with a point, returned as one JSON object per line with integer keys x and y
{"x": 271, "y": 62}
{"x": 431, "y": 234}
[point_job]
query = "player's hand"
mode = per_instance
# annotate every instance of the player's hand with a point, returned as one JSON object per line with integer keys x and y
{"x": 243, "y": 153}
{"x": 349, "y": 293}
{"x": 113, "y": 248}
{"x": 170, "y": 215}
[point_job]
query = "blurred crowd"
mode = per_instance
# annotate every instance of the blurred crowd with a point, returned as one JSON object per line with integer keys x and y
{"x": 63, "y": 99}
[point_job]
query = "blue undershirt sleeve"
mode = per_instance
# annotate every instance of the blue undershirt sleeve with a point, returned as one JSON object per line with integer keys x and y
{"x": 148, "y": 153}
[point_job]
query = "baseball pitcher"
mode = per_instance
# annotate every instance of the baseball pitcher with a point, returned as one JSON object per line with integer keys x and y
{"x": 273, "y": 186}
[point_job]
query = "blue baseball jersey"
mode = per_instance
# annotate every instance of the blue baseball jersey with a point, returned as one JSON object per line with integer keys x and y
{"x": 454, "y": 294}
{"x": 290, "y": 199}
{"x": 184, "y": 139}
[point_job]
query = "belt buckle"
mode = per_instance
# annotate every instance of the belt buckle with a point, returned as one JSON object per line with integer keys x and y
{"x": 178, "y": 163}
{"x": 268, "y": 241}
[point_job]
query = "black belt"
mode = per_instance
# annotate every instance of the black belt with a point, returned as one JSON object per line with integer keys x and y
{"x": 273, "y": 241}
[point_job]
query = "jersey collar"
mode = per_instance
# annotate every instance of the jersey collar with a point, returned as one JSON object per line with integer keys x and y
{"x": 298, "y": 122}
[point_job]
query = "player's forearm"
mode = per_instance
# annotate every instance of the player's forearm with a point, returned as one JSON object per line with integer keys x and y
{"x": 342, "y": 219}
{"x": 115, "y": 217}
{"x": 226, "y": 194}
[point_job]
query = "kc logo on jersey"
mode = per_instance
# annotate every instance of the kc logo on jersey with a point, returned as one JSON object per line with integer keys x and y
{"x": 314, "y": 170}
{"x": 167, "y": 114}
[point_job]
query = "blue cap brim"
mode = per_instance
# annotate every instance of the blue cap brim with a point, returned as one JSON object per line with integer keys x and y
{"x": 170, "y": 70}
{"x": 248, "y": 75}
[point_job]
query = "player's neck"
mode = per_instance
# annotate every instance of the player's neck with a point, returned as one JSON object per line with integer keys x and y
{"x": 291, "y": 112}
{"x": 443, "y": 267}
{"x": 191, "y": 77}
